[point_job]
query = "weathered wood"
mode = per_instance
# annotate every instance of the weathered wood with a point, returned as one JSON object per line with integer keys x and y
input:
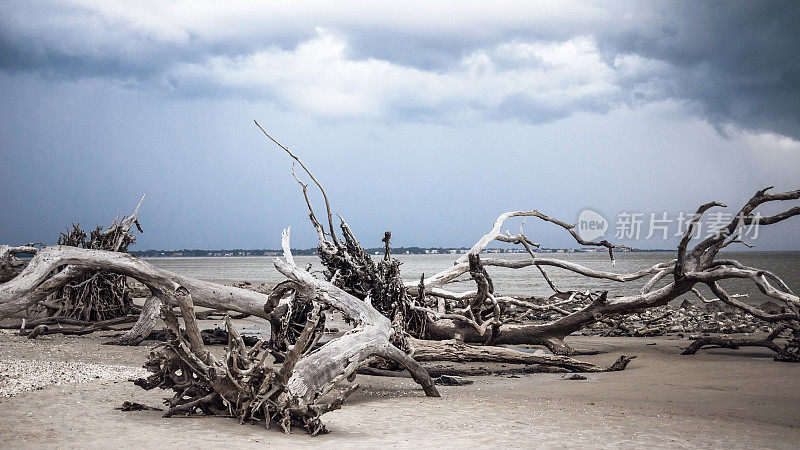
{"x": 461, "y": 315}
{"x": 788, "y": 352}
{"x": 143, "y": 326}
{"x": 453, "y": 350}
{"x": 10, "y": 265}
{"x": 94, "y": 295}
{"x": 245, "y": 385}
{"x": 340, "y": 357}
{"x": 60, "y": 325}
{"x": 34, "y": 283}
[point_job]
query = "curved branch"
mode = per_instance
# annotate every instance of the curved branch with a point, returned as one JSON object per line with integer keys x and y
{"x": 495, "y": 233}
{"x": 36, "y": 282}
{"x": 324, "y": 195}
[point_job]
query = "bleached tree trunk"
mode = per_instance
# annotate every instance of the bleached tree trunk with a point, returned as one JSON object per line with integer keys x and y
{"x": 36, "y": 281}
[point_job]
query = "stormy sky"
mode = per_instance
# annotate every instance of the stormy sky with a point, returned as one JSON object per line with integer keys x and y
{"x": 429, "y": 120}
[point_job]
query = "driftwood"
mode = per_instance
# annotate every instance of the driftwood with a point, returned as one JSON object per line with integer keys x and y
{"x": 10, "y": 265}
{"x": 36, "y": 280}
{"x": 245, "y": 385}
{"x": 214, "y": 336}
{"x": 431, "y": 311}
{"x": 395, "y": 326}
{"x": 144, "y": 325}
{"x": 94, "y": 295}
{"x": 696, "y": 265}
{"x": 785, "y": 353}
{"x": 457, "y": 351}
{"x": 73, "y": 327}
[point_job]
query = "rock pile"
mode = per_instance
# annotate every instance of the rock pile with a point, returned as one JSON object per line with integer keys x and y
{"x": 686, "y": 318}
{"x": 705, "y": 318}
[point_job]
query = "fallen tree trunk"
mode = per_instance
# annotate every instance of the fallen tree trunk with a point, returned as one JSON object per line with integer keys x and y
{"x": 63, "y": 327}
{"x": 34, "y": 283}
{"x": 464, "y": 370}
{"x": 787, "y": 352}
{"x": 244, "y": 384}
{"x": 457, "y": 351}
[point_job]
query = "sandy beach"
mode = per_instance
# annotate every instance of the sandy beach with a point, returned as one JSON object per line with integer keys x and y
{"x": 718, "y": 398}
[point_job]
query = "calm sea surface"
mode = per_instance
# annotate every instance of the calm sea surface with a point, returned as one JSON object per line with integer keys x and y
{"x": 526, "y": 282}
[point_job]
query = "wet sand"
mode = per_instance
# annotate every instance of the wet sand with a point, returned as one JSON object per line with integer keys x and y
{"x": 718, "y": 398}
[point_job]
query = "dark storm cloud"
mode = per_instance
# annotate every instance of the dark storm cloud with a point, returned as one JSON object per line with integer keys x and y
{"x": 739, "y": 61}
{"x": 64, "y": 41}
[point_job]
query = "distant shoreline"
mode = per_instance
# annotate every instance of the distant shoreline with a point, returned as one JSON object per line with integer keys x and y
{"x": 371, "y": 251}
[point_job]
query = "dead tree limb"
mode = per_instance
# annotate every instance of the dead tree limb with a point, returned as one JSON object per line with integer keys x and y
{"x": 692, "y": 266}
{"x": 429, "y": 350}
{"x": 75, "y": 329}
{"x": 767, "y": 341}
{"x": 144, "y": 325}
{"x": 441, "y": 314}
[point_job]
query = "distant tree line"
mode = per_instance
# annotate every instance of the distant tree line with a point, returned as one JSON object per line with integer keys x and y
{"x": 371, "y": 251}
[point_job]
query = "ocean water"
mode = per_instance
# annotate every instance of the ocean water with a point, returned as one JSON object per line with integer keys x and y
{"x": 522, "y": 282}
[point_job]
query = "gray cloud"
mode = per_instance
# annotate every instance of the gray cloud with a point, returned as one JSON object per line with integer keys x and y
{"x": 739, "y": 61}
{"x": 736, "y": 63}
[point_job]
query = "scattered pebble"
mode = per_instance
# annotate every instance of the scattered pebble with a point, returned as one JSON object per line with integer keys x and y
{"x": 18, "y": 376}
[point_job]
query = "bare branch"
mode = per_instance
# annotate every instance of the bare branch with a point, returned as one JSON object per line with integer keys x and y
{"x": 324, "y": 195}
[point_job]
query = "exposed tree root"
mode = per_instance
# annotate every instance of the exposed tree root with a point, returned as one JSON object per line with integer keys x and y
{"x": 94, "y": 295}
{"x": 245, "y": 385}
